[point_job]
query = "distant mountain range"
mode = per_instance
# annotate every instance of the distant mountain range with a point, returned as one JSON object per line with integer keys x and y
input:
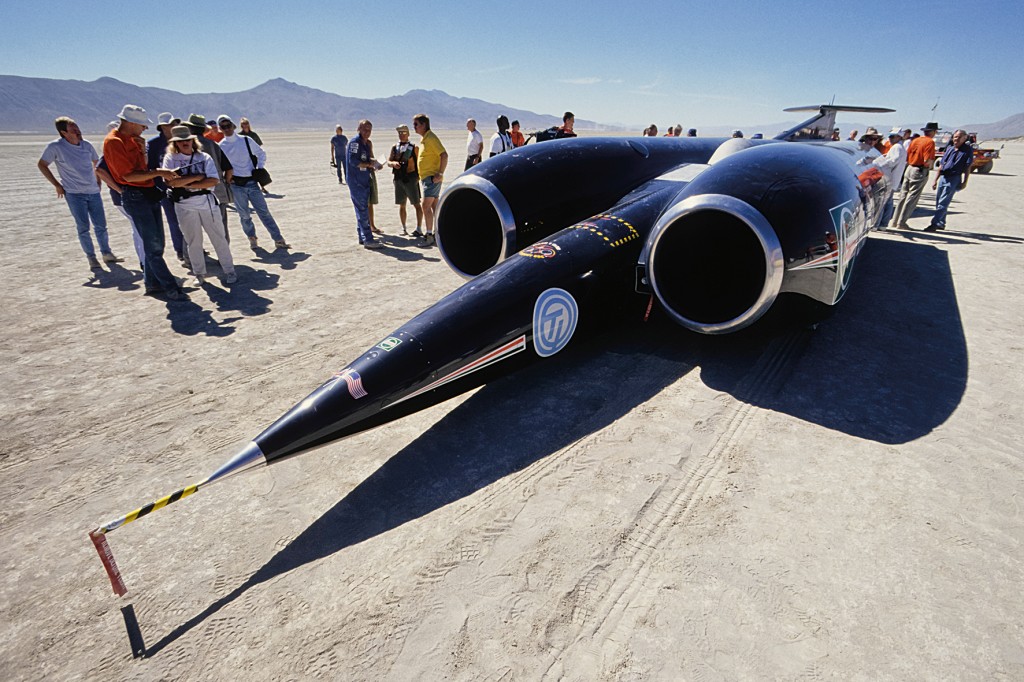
{"x": 31, "y": 104}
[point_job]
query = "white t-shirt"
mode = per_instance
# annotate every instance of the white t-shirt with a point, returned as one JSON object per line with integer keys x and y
{"x": 76, "y": 165}
{"x": 199, "y": 163}
{"x": 474, "y": 143}
{"x": 501, "y": 142}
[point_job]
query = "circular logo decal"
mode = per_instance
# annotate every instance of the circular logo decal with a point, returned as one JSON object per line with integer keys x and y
{"x": 540, "y": 250}
{"x": 554, "y": 321}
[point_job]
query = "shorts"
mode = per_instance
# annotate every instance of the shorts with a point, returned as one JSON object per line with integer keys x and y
{"x": 373, "y": 188}
{"x": 405, "y": 190}
{"x": 431, "y": 189}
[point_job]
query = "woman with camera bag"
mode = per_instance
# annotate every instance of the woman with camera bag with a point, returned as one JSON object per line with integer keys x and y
{"x": 194, "y": 203}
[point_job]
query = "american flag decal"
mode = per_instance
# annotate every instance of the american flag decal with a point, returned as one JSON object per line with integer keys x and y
{"x": 354, "y": 383}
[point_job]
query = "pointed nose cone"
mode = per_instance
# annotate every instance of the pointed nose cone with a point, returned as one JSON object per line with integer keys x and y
{"x": 352, "y": 400}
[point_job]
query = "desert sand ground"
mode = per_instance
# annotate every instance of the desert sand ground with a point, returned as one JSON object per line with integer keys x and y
{"x": 842, "y": 502}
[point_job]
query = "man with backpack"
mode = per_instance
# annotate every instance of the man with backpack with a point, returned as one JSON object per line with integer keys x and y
{"x": 402, "y": 161}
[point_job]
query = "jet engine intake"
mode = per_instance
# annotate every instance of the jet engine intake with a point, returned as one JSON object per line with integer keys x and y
{"x": 714, "y": 263}
{"x": 478, "y": 229}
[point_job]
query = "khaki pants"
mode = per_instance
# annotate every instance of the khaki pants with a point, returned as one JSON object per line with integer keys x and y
{"x": 914, "y": 181}
{"x": 193, "y": 219}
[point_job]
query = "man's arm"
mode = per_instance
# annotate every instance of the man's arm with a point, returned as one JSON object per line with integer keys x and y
{"x": 44, "y": 168}
{"x": 107, "y": 179}
{"x": 444, "y": 164}
{"x": 261, "y": 156}
{"x": 967, "y": 165}
{"x": 938, "y": 170}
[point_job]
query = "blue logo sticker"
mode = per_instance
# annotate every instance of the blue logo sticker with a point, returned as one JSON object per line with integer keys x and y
{"x": 554, "y": 321}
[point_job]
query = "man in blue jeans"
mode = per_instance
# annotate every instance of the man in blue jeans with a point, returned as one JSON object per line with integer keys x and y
{"x": 76, "y": 163}
{"x": 240, "y": 151}
{"x": 951, "y": 175}
{"x": 124, "y": 152}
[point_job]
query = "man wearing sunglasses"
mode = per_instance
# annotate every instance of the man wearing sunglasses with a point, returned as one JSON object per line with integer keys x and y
{"x": 240, "y": 151}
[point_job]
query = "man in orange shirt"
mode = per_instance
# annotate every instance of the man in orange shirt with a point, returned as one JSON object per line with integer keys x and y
{"x": 920, "y": 157}
{"x": 125, "y": 154}
{"x": 518, "y": 139}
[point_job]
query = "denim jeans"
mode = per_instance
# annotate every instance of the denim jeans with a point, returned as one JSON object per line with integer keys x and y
{"x": 251, "y": 193}
{"x": 83, "y": 207}
{"x": 145, "y": 215}
{"x": 172, "y": 224}
{"x": 944, "y": 194}
{"x": 887, "y": 211}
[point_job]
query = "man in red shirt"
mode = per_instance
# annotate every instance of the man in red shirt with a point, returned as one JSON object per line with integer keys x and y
{"x": 920, "y": 157}
{"x": 124, "y": 150}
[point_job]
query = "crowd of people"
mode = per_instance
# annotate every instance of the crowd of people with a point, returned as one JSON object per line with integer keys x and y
{"x": 188, "y": 173}
{"x": 907, "y": 159}
{"x": 192, "y": 169}
{"x": 417, "y": 170}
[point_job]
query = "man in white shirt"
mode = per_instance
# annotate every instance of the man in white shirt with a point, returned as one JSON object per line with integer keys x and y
{"x": 240, "y": 151}
{"x": 76, "y": 163}
{"x": 892, "y": 164}
{"x": 474, "y": 145}
{"x": 501, "y": 141}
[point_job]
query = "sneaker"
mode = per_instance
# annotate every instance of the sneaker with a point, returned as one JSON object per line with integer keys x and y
{"x": 282, "y": 244}
{"x": 109, "y": 257}
{"x": 428, "y": 238}
{"x": 373, "y": 245}
{"x": 175, "y": 295}
{"x": 253, "y": 243}
{"x": 94, "y": 263}
{"x": 230, "y": 278}
{"x": 180, "y": 255}
{"x": 417, "y": 233}
{"x": 200, "y": 279}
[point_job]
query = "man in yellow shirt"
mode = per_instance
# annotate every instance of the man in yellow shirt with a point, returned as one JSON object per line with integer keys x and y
{"x": 432, "y": 161}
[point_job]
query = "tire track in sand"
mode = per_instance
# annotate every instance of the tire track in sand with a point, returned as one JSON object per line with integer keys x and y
{"x": 590, "y": 613}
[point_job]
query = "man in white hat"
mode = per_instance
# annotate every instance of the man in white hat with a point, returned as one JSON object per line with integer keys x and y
{"x": 156, "y": 147}
{"x": 124, "y": 152}
{"x": 892, "y": 164}
{"x": 241, "y": 151}
{"x": 76, "y": 163}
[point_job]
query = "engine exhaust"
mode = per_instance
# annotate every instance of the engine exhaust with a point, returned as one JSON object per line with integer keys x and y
{"x": 714, "y": 263}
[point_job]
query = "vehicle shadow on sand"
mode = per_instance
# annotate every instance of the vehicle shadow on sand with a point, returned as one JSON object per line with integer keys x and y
{"x": 890, "y": 366}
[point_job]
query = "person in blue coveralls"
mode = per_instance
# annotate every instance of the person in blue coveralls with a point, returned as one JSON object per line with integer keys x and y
{"x": 359, "y": 164}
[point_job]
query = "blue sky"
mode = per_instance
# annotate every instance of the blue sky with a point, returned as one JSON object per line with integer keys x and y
{"x": 695, "y": 63}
